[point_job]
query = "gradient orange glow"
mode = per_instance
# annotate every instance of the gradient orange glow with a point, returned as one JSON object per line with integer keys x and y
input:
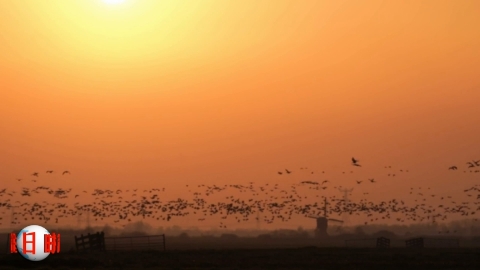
{"x": 169, "y": 93}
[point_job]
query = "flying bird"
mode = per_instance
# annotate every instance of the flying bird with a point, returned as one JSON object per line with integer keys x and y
{"x": 453, "y": 168}
{"x": 65, "y": 172}
{"x": 35, "y": 174}
{"x": 288, "y": 171}
{"x": 355, "y": 162}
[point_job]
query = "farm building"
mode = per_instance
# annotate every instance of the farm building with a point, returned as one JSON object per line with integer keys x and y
{"x": 430, "y": 242}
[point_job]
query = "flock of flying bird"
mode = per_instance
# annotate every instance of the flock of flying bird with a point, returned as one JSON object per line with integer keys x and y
{"x": 354, "y": 163}
{"x": 123, "y": 206}
{"x": 471, "y": 165}
{"x": 36, "y": 175}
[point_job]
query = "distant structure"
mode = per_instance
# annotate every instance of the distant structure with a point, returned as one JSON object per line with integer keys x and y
{"x": 258, "y": 220}
{"x": 346, "y": 192}
{"x": 12, "y": 217}
{"x": 322, "y": 223}
{"x": 83, "y": 219}
{"x": 79, "y": 219}
{"x": 88, "y": 219}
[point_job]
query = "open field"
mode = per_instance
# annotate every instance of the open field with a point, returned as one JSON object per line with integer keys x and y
{"x": 256, "y": 253}
{"x": 300, "y": 258}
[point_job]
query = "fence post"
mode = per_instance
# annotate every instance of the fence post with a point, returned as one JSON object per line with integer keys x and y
{"x": 164, "y": 242}
{"x": 8, "y": 244}
{"x": 83, "y": 241}
{"x": 102, "y": 241}
{"x": 95, "y": 243}
{"x": 89, "y": 241}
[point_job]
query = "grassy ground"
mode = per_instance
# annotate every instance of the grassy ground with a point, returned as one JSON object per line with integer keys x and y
{"x": 300, "y": 258}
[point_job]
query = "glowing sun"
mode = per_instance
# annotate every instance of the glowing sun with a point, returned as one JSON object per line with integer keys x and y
{"x": 113, "y": 2}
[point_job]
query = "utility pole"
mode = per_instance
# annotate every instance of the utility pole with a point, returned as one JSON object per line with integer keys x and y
{"x": 79, "y": 219}
{"x": 258, "y": 220}
{"x": 88, "y": 219}
{"x": 325, "y": 208}
{"x": 12, "y": 218}
{"x": 346, "y": 192}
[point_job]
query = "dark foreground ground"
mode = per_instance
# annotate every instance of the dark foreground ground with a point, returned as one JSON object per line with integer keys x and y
{"x": 299, "y": 258}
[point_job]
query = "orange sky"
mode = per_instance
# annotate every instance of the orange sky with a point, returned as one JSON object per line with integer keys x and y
{"x": 169, "y": 93}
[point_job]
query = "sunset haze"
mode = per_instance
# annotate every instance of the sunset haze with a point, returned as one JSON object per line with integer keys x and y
{"x": 163, "y": 94}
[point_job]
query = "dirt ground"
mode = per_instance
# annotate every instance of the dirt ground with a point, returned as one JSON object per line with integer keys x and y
{"x": 300, "y": 258}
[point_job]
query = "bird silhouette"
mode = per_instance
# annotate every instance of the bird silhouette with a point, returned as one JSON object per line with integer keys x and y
{"x": 355, "y": 162}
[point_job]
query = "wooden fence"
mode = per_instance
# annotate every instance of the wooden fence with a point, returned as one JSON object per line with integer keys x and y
{"x": 380, "y": 242}
{"x": 421, "y": 242}
{"x": 149, "y": 242}
{"x": 90, "y": 242}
